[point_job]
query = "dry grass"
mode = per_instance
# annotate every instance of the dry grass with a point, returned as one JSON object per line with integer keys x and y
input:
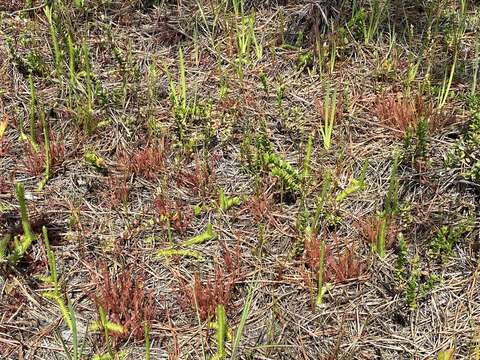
{"x": 151, "y": 186}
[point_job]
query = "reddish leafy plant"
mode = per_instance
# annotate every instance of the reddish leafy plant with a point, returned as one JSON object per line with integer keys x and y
{"x": 172, "y": 213}
{"x": 118, "y": 191}
{"x": 401, "y": 113}
{"x": 201, "y": 179}
{"x": 34, "y": 159}
{"x": 148, "y": 162}
{"x": 206, "y": 295}
{"x": 371, "y": 227}
{"x": 125, "y": 301}
{"x": 339, "y": 266}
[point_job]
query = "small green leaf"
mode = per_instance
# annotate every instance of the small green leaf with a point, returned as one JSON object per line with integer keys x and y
{"x": 207, "y": 235}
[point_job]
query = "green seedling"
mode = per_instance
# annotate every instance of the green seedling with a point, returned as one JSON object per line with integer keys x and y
{"x": 48, "y": 157}
{"x": 355, "y": 184}
{"x": 207, "y": 235}
{"x": 22, "y": 243}
{"x": 4, "y": 241}
{"x": 370, "y": 26}
{"x": 178, "y": 97}
{"x": 329, "y": 110}
{"x": 441, "y": 246}
{"x": 33, "y": 112}
{"x": 71, "y": 65}
{"x": 94, "y": 160}
{"x": 180, "y": 252}
{"x": 476, "y": 66}
{"x": 146, "y": 330}
{"x": 246, "y": 41}
{"x": 321, "y": 269}
{"x": 390, "y": 209}
{"x": 57, "y": 52}
{"x": 447, "y": 83}
{"x": 85, "y": 111}
{"x": 227, "y": 202}
{"x": 243, "y": 319}
{"x": 55, "y": 294}
{"x": 306, "y": 162}
{"x": 220, "y": 332}
{"x": 421, "y": 148}
{"x": 448, "y": 354}
{"x": 322, "y": 199}
{"x": 280, "y": 95}
{"x": 117, "y": 356}
{"x": 79, "y": 3}
{"x": 263, "y": 80}
{"x": 107, "y": 326}
{"x": 412, "y": 284}
{"x": 402, "y": 257}
{"x": 197, "y": 209}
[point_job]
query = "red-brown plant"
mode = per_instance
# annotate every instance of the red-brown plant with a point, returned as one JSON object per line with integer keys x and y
{"x": 4, "y": 147}
{"x": 148, "y": 162}
{"x": 206, "y": 295}
{"x": 125, "y": 301}
{"x": 5, "y": 187}
{"x": 34, "y": 159}
{"x": 172, "y": 213}
{"x": 118, "y": 191}
{"x": 401, "y": 113}
{"x": 371, "y": 227}
{"x": 339, "y": 266}
{"x": 261, "y": 206}
{"x": 200, "y": 180}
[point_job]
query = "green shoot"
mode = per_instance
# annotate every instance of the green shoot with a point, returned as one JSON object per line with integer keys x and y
{"x": 322, "y": 198}
{"x": 207, "y": 235}
{"x": 321, "y": 269}
{"x": 57, "y": 53}
{"x": 4, "y": 241}
{"x": 71, "y": 63}
{"x": 243, "y": 320}
{"x": 33, "y": 112}
{"x": 94, "y": 160}
{"x": 307, "y": 160}
{"x": 476, "y": 65}
{"x": 264, "y": 82}
{"x": 370, "y": 27}
{"x": 147, "y": 341}
{"x": 412, "y": 284}
{"x": 23, "y": 243}
{"x": 402, "y": 258}
{"x": 179, "y": 252}
{"x": 390, "y": 208}
{"x": 278, "y": 167}
{"x": 447, "y": 84}
{"x": 329, "y": 110}
{"x": 227, "y": 202}
{"x": 55, "y": 294}
{"x": 87, "y": 72}
{"x": 446, "y": 354}
{"x": 355, "y": 184}
{"x": 221, "y": 332}
{"x": 48, "y": 157}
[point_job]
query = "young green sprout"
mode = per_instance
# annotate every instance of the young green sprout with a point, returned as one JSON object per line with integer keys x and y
{"x": 329, "y": 109}
{"x": 355, "y": 184}
{"x": 22, "y": 244}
